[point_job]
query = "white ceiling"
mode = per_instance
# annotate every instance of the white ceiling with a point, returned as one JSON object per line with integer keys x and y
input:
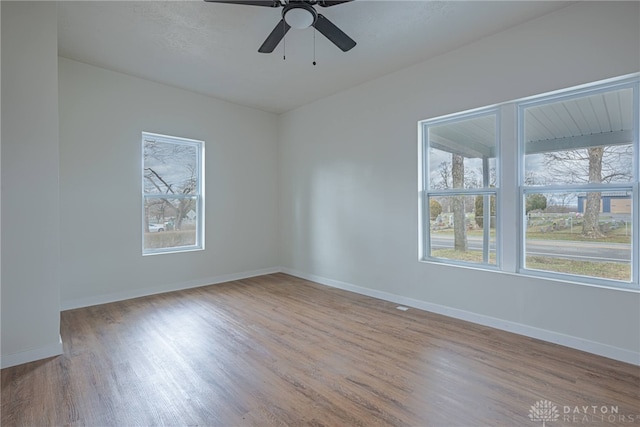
{"x": 212, "y": 48}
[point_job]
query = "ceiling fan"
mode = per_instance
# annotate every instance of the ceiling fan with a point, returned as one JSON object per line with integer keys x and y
{"x": 299, "y": 14}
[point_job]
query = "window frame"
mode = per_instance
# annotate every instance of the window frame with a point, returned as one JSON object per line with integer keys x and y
{"x": 632, "y": 186}
{"x": 426, "y": 192}
{"x": 511, "y": 191}
{"x": 198, "y": 193}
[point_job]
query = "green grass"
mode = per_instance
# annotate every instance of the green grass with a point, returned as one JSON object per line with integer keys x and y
{"x": 578, "y": 237}
{"x": 605, "y": 270}
{"x": 475, "y": 232}
{"x": 468, "y": 256}
{"x": 169, "y": 239}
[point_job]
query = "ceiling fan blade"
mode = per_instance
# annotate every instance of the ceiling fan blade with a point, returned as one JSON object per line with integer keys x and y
{"x": 333, "y": 33}
{"x": 328, "y": 3}
{"x": 266, "y": 3}
{"x": 274, "y": 38}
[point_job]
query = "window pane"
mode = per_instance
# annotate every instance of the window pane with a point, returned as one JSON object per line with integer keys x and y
{"x": 458, "y": 231}
{"x": 462, "y": 153}
{"x": 172, "y": 200}
{"x": 170, "y": 222}
{"x": 170, "y": 168}
{"x": 580, "y": 233}
{"x": 580, "y": 140}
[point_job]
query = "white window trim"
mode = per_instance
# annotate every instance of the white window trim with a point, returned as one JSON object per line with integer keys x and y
{"x": 510, "y": 200}
{"x": 632, "y": 186}
{"x": 199, "y": 194}
{"x": 424, "y": 245}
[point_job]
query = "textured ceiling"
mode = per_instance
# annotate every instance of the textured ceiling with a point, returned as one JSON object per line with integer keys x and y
{"x": 212, "y": 48}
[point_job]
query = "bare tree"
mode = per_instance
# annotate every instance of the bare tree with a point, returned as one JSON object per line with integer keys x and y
{"x": 459, "y": 226}
{"x": 444, "y": 171}
{"x": 592, "y": 165}
{"x": 591, "y": 226}
{"x": 169, "y": 171}
{"x": 531, "y": 178}
{"x": 575, "y": 166}
{"x": 442, "y": 181}
{"x": 561, "y": 201}
{"x": 473, "y": 178}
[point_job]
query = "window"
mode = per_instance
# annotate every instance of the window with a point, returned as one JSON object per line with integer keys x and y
{"x": 561, "y": 168}
{"x": 172, "y": 193}
{"x": 577, "y": 182}
{"x": 460, "y": 188}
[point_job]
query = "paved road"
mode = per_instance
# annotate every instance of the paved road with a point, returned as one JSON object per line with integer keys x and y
{"x": 581, "y": 251}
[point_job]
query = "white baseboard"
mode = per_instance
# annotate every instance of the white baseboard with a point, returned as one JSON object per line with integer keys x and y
{"x": 600, "y": 349}
{"x": 32, "y": 355}
{"x": 125, "y": 295}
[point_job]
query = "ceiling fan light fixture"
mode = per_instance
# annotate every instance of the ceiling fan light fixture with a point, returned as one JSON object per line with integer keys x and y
{"x": 299, "y": 14}
{"x": 300, "y": 17}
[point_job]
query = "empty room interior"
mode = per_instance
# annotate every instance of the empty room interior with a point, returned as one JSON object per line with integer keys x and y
{"x": 314, "y": 212}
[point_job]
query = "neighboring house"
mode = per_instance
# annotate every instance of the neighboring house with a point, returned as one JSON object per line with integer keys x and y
{"x": 610, "y": 203}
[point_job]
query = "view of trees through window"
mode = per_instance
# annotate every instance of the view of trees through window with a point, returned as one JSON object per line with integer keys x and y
{"x": 579, "y": 153}
{"x": 462, "y": 189}
{"x": 576, "y": 175}
{"x": 172, "y": 200}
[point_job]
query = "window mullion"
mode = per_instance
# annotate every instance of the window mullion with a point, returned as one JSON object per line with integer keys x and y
{"x": 547, "y": 185}
{"x": 508, "y": 205}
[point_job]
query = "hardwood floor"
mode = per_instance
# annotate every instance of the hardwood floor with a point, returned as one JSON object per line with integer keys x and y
{"x": 277, "y": 350}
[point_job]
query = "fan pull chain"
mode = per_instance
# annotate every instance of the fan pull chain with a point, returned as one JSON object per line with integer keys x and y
{"x": 314, "y": 45}
{"x": 284, "y": 41}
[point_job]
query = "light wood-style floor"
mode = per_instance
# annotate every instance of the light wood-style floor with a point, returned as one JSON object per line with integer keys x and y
{"x": 277, "y": 350}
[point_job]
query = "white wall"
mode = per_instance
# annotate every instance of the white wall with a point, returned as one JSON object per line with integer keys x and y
{"x": 348, "y": 180}
{"x": 102, "y": 115}
{"x": 30, "y": 192}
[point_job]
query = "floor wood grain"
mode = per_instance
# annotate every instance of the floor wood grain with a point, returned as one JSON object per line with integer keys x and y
{"x": 280, "y": 351}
